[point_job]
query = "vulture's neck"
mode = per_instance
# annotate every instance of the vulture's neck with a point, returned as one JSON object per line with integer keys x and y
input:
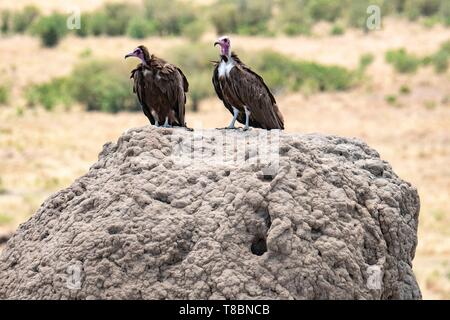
{"x": 147, "y": 60}
{"x": 226, "y": 58}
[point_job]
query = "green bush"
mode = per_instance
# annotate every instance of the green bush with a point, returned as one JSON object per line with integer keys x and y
{"x": 416, "y": 8}
{"x": 49, "y": 95}
{"x": 5, "y": 25}
{"x": 254, "y": 16}
{"x": 293, "y": 18}
{"x": 22, "y": 20}
{"x": 225, "y": 18}
{"x": 4, "y": 93}
{"x": 248, "y": 17}
{"x": 405, "y": 89}
{"x": 444, "y": 12}
{"x": 394, "y": 6}
{"x": 117, "y": 16}
{"x": 328, "y": 10}
{"x": 391, "y": 99}
{"x": 51, "y": 29}
{"x": 200, "y": 87}
{"x": 99, "y": 85}
{"x": 139, "y": 28}
{"x": 364, "y": 62}
{"x": 402, "y": 61}
{"x": 170, "y": 17}
{"x": 337, "y": 30}
{"x": 194, "y": 30}
{"x": 440, "y": 60}
{"x": 430, "y": 22}
{"x": 95, "y": 23}
{"x": 103, "y": 86}
{"x": 194, "y": 60}
{"x": 281, "y": 72}
{"x": 84, "y": 30}
{"x": 357, "y": 12}
{"x": 113, "y": 19}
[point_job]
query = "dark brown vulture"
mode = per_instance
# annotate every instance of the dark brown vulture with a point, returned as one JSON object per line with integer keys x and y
{"x": 161, "y": 89}
{"x": 244, "y": 92}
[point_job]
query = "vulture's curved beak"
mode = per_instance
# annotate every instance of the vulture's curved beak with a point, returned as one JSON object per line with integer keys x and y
{"x": 216, "y": 43}
{"x": 129, "y": 55}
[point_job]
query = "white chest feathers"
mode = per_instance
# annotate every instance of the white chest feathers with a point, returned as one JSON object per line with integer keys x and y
{"x": 225, "y": 67}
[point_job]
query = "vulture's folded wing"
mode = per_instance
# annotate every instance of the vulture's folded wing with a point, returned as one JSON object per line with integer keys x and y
{"x": 218, "y": 89}
{"x": 185, "y": 82}
{"x": 173, "y": 84}
{"x": 140, "y": 89}
{"x": 254, "y": 93}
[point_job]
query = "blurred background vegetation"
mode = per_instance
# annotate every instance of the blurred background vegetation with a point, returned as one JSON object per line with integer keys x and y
{"x": 63, "y": 93}
{"x": 245, "y": 17}
{"x": 191, "y": 20}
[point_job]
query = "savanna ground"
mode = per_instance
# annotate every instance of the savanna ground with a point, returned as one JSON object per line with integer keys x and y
{"x": 42, "y": 152}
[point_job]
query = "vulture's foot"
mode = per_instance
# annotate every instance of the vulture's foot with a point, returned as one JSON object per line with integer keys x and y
{"x": 166, "y": 123}
{"x": 227, "y": 128}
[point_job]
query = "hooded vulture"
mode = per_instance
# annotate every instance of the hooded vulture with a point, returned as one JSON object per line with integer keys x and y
{"x": 243, "y": 92}
{"x": 161, "y": 89}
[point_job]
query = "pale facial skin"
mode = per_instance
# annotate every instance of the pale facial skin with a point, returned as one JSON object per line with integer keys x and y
{"x": 138, "y": 53}
{"x": 225, "y": 45}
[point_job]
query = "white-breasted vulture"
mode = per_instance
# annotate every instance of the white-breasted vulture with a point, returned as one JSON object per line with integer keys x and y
{"x": 161, "y": 89}
{"x": 243, "y": 92}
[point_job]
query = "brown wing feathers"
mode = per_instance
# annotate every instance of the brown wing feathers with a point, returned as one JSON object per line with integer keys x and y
{"x": 161, "y": 89}
{"x": 247, "y": 88}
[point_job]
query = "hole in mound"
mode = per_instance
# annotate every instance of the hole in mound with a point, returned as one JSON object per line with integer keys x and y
{"x": 114, "y": 229}
{"x": 162, "y": 198}
{"x": 315, "y": 233}
{"x": 266, "y": 177}
{"x": 259, "y": 246}
{"x": 44, "y": 235}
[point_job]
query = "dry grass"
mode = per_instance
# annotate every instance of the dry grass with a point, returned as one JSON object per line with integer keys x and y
{"x": 42, "y": 152}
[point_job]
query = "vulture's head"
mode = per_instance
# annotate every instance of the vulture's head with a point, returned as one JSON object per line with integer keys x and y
{"x": 225, "y": 45}
{"x": 140, "y": 52}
